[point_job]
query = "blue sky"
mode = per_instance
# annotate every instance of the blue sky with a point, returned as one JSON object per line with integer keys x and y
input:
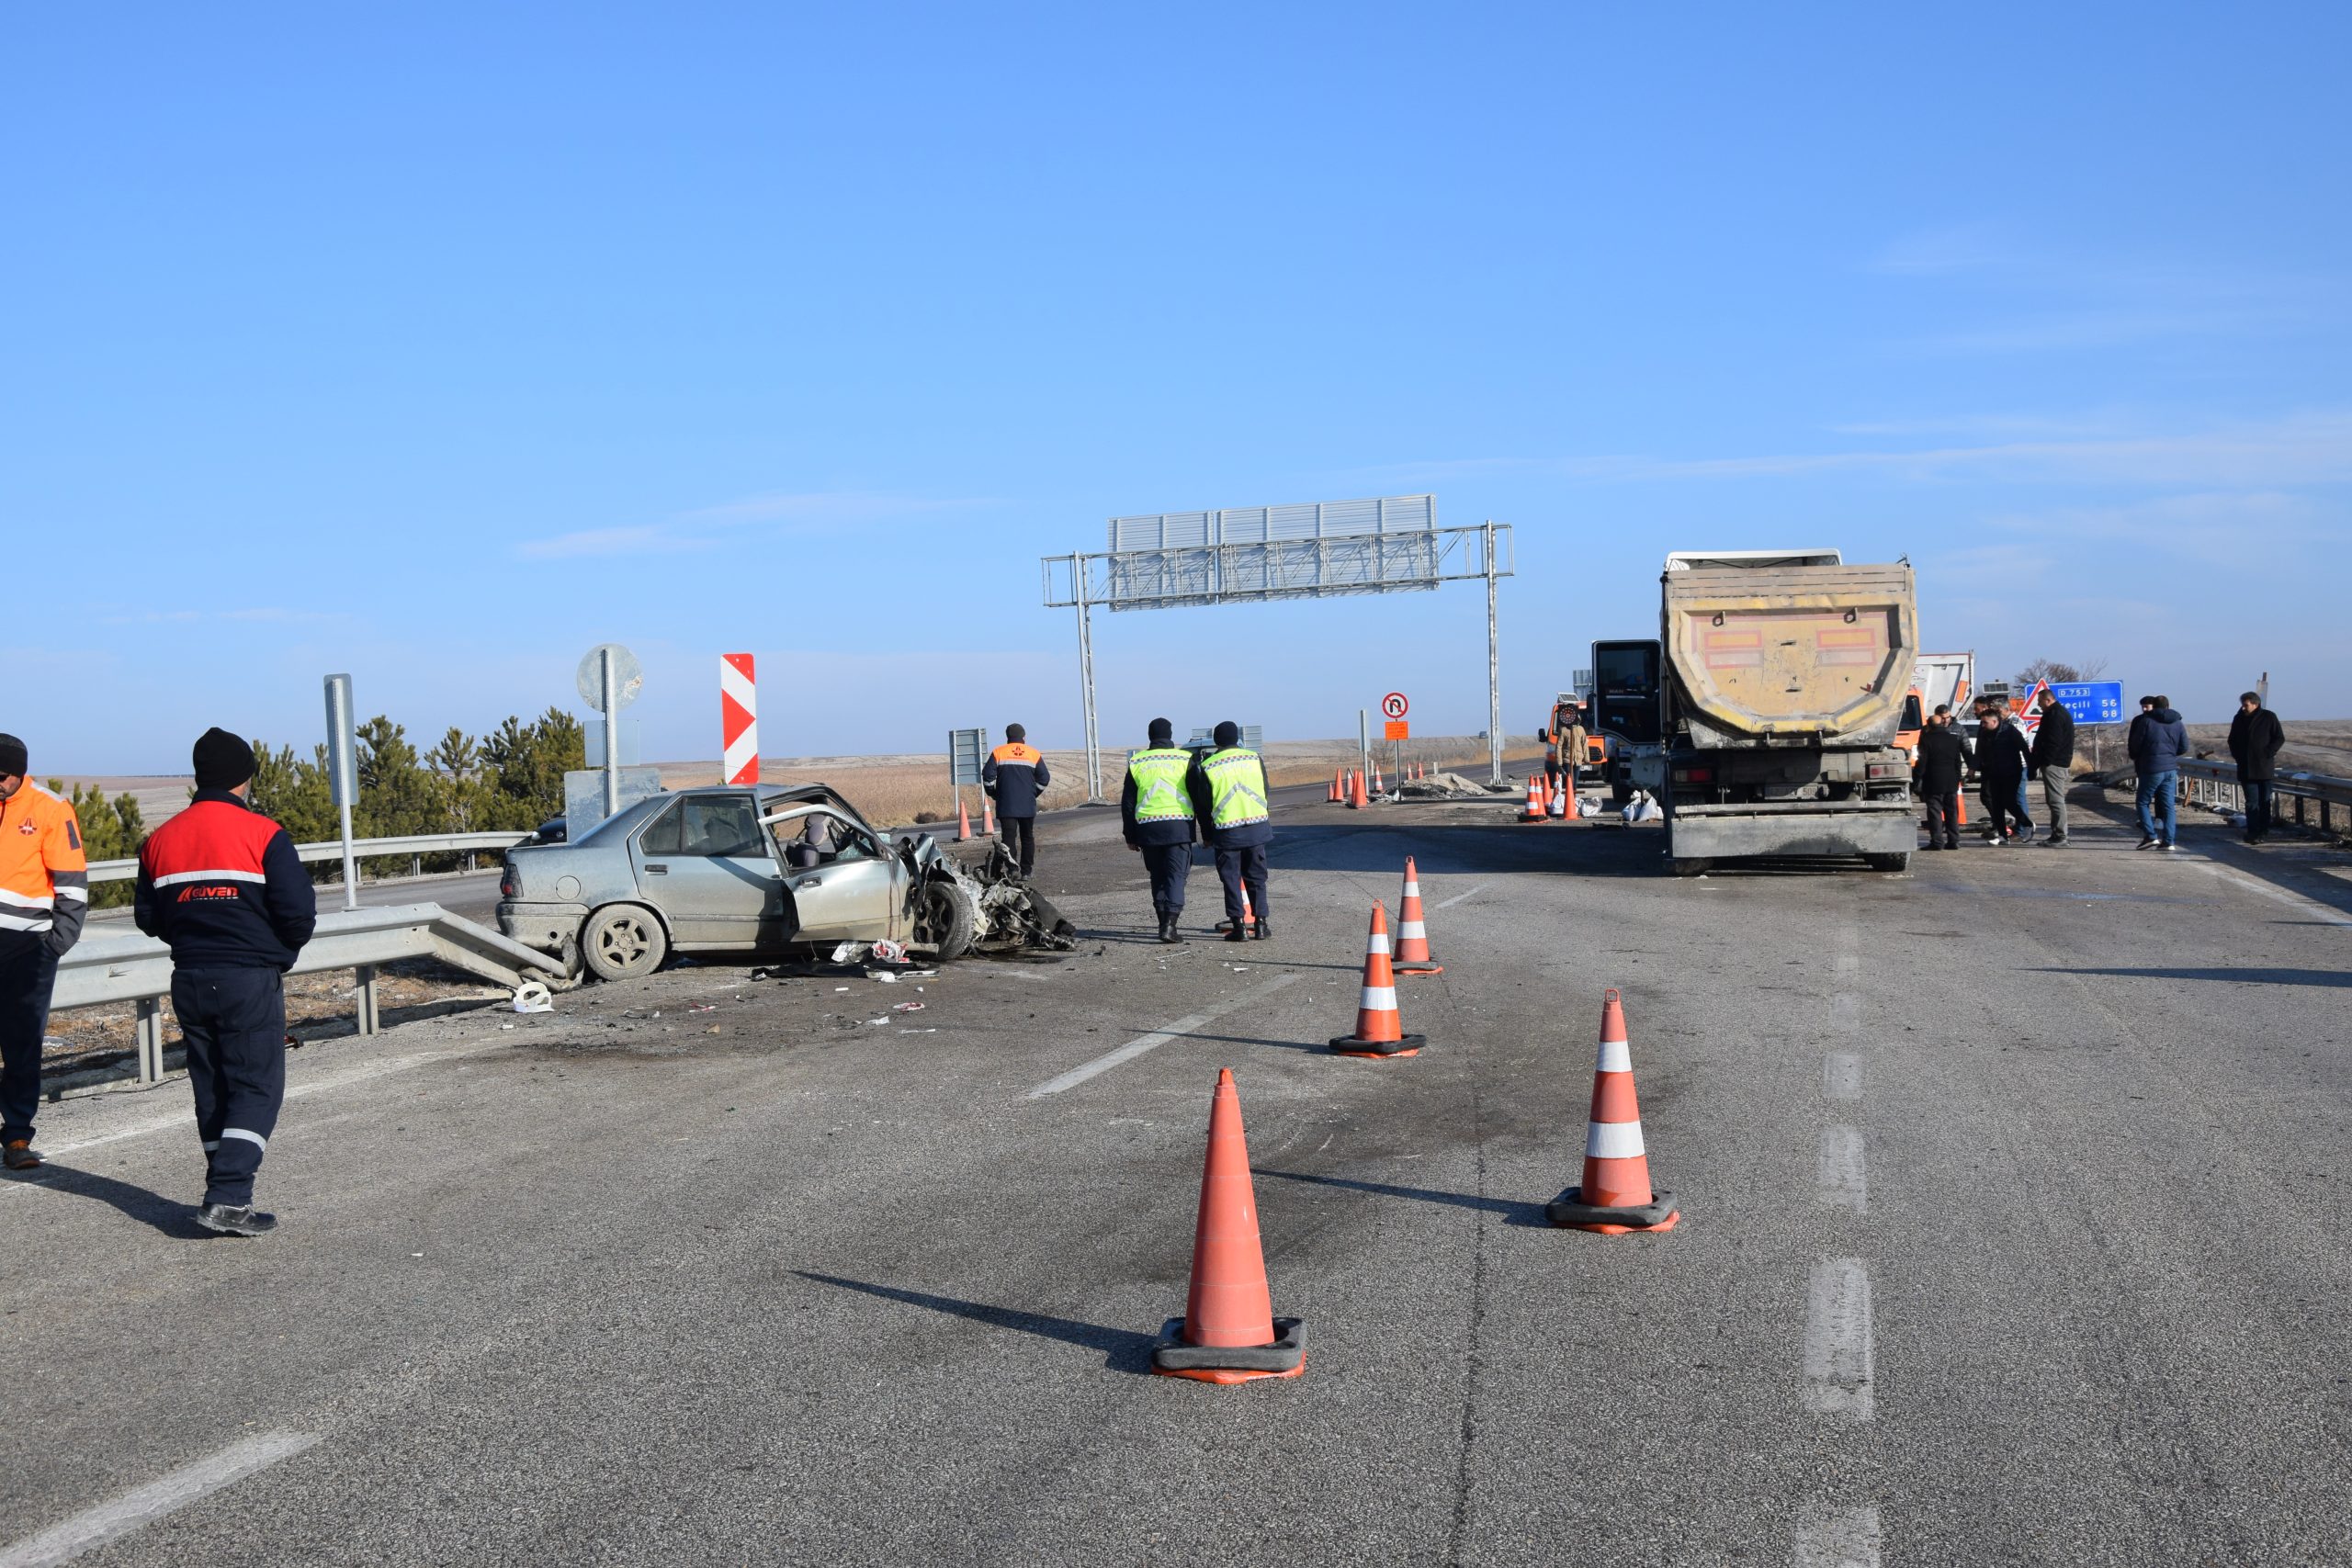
{"x": 436, "y": 344}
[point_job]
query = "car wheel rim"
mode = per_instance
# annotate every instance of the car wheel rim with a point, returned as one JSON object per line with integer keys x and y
{"x": 623, "y": 944}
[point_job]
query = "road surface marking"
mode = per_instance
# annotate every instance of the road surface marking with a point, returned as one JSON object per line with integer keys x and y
{"x": 144, "y": 1505}
{"x": 183, "y": 1119}
{"x": 1838, "y": 1340}
{"x": 1845, "y": 1539}
{"x": 1841, "y": 1179}
{"x": 1847, "y": 963}
{"x": 1846, "y": 1012}
{"x": 2287, "y": 896}
{"x": 1458, "y": 898}
{"x": 1159, "y": 1037}
{"x": 1841, "y": 1076}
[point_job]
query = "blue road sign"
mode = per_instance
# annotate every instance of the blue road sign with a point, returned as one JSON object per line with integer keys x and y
{"x": 2091, "y": 702}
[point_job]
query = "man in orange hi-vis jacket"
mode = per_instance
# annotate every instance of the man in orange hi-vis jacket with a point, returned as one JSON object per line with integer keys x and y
{"x": 44, "y": 894}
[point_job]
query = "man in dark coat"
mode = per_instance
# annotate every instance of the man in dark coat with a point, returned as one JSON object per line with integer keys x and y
{"x": 2001, "y": 756}
{"x": 2157, "y": 740}
{"x": 2052, "y": 759}
{"x": 1157, "y": 817}
{"x": 1014, "y": 776}
{"x": 1942, "y": 763}
{"x": 2255, "y": 737}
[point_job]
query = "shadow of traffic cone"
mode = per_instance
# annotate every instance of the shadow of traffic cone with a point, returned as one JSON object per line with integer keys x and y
{"x": 1412, "y": 935}
{"x": 1534, "y": 812}
{"x": 1615, "y": 1196}
{"x": 963, "y": 818}
{"x": 1248, "y": 915}
{"x": 1380, "y": 1028}
{"x": 1228, "y": 1333}
{"x": 1357, "y": 800}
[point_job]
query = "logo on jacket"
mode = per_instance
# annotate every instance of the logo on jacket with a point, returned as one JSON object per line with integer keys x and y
{"x": 26, "y": 828}
{"x": 193, "y": 892}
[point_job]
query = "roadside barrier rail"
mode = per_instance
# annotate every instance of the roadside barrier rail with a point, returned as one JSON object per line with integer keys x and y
{"x": 413, "y": 846}
{"x": 139, "y": 968}
{"x": 2215, "y": 783}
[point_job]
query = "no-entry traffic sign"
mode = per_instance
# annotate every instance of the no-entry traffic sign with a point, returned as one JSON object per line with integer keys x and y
{"x": 1395, "y": 706}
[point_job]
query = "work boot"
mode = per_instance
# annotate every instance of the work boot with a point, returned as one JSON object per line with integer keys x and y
{"x": 1236, "y": 933}
{"x": 1263, "y": 931}
{"x": 20, "y": 1155}
{"x": 231, "y": 1219}
{"x": 1167, "y": 931}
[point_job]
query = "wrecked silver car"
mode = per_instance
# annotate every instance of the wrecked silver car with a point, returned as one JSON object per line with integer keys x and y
{"x": 770, "y": 871}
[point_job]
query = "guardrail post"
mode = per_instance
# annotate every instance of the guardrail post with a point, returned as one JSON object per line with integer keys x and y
{"x": 149, "y": 1034}
{"x": 369, "y": 1017}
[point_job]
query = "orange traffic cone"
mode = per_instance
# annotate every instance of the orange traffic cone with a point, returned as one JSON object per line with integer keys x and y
{"x": 1228, "y": 1333}
{"x": 1615, "y": 1195}
{"x": 988, "y": 818}
{"x": 1568, "y": 788}
{"x": 1377, "y": 788}
{"x": 1248, "y": 915}
{"x": 963, "y": 818}
{"x": 1339, "y": 786}
{"x": 1380, "y": 1028}
{"x": 1534, "y": 812}
{"x": 1558, "y": 810}
{"x": 1961, "y": 800}
{"x": 1412, "y": 935}
{"x": 1357, "y": 801}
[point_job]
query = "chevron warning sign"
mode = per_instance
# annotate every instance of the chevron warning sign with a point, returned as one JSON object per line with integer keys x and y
{"x": 739, "y": 719}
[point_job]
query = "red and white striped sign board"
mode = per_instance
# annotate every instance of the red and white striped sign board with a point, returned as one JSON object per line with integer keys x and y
{"x": 739, "y": 719}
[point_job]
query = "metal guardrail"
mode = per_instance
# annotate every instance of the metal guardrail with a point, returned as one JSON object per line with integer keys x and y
{"x": 2216, "y": 784}
{"x": 364, "y": 849}
{"x": 139, "y": 968}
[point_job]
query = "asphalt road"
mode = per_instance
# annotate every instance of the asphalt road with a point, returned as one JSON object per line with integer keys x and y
{"x": 2015, "y": 1197}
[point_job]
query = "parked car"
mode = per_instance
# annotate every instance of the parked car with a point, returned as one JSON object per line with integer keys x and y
{"x": 771, "y": 870}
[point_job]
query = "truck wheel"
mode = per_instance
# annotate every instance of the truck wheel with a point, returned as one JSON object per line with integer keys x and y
{"x": 1690, "y": 866}
{"x": 622, "y": 942}
{"x": 946, "y": 918}
{"x": 1899, "y": 861}
{"x": 1620, "y": 792}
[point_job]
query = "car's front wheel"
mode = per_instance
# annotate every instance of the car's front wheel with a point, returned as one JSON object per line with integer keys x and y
{"x": 946, "y": 918}
{"x": 623, "y": 942}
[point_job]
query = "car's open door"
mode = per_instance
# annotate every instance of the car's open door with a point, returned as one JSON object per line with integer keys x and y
{"x": 843, "y": 882}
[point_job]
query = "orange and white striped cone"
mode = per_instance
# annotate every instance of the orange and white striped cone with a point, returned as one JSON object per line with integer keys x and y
{"x": 1380, "y": 1028}
{"x": 988, "y": 818}
{"x": 1568, "y": 788}
{"x": 1377, "y": 788}
{"x": 1558, "y": 808}
{"x": 1534, "y": 812}
{"x": 1615, "y": 1196}
{"x": 963, "y": 818}
{"x": 1412, "y": 935}
{"x": 1248, "y": 915}
{"x": 1357, "y": 801}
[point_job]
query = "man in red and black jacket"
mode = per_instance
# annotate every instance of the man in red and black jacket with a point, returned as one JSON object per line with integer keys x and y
{"x": 221, "y": 883}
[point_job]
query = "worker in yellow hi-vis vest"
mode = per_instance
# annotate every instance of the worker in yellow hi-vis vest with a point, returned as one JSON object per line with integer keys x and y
{"x": 1156, "y": 810}
{"x": 1228, "y": 789}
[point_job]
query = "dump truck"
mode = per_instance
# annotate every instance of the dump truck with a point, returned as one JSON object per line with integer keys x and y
{"x": 1763, "y": 719}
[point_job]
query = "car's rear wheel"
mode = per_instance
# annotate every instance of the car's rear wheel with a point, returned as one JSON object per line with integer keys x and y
{"x": 946, "y": 918}
{"x": 623, "y": 942}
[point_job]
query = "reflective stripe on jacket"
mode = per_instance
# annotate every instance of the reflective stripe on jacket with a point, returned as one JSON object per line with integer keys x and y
{"x": 1237, "y": 788}
{"x": 44, "y": 881}
{"x": 1160, "y": 775}
{"x": 1015, "y": 775}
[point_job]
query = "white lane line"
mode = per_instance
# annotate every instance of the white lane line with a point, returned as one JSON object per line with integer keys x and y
{"x": 144, "y": 1505}
{"x": 1847, "y": 963}
{"x": 1460, "y": 898}
{"x": 1846, "y": 1012}
{"x": 1842, "y": 1182}
{"x": 1847, "y": 1537}
{"x": 1841, "y": 1076}
{"x": 1157, "y": 1038}
{"x": 2287, "y": 896}
{"x": 1838, "y": 1340}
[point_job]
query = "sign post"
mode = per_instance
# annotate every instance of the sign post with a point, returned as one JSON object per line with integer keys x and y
{"x": 343, "y": 777}
{"x": 608, "y": 680}
{"x": 1393, "y": 708}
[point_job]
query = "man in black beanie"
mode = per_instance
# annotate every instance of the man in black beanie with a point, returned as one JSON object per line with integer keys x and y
{"x": 223, "y": 885}
{"x": 1157, "y": 817}
{"x": 1228, "y": 787}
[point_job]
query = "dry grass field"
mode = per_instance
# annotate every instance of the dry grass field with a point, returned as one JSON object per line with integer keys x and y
{"x": 896, "y": 791}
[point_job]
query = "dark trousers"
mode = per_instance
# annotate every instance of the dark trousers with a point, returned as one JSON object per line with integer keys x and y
{"x": 234, "y": 1022}
{"x": 1019, "y": 837}
{"x": 2257, "y": 806}
{"x": 1237, "y": 867}
{"x": 27, "y": 970}
{"x": 1168, "y": 865}
{"x": 1943, "y": 818}
{"x": 2004, "y": 800}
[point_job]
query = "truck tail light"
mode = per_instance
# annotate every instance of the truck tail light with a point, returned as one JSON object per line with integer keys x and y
{"x": 1884, "y": 770}
{"x": 1694, "y": 775}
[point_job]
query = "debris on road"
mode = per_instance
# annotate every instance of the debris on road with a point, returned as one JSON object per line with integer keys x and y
{"x": 1445, "y": 787}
